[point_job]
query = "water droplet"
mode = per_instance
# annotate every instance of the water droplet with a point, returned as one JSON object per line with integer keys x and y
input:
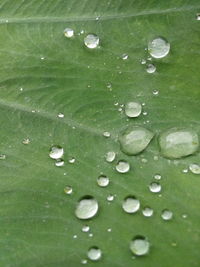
{"x": 144, "y": 113}
{"x": 133, "y": 109}
{"x": 110, "y": 198}
{"x": 86, "y": 208}
{"x": 26, "y": 141}
{"x": 90, "y": 235}
{"x": 68, "y": 190}
{"x": 85, "y": 228}
{"x": 103, "y": 181}
{"x": 110, "y": 156}
{"x": 155, "y": 92}
{"x": 155, "y": 157}
{"x": 167, "y": 215}
{"x": 124, "y": 56}
{"x": 106, "y": 134}
{"x": 109, "y": 230}
{"x": 150, "y": 68}
{"x": 147, "y": 212}
{"x": 184, "y": 216}
{"x": 59, "y": 163}
{"x": 157, "y": 176}
{"x": 135, "y": 139}
{"x": 74, "y": 236}
{"x": 159, "y": 47}
{"x": 94, "y": 254}
{"x": 91, "y": 41}
{"x": 131, "y": 204}
{"x": 178, "y": 143}
{"x": 185, "y": 171}
{"x": 56, "y": 152}
{"x": 68, "y": 33}
{"x": 198, "y": 16}
{"x": 143, "y": 61}
{"x": 84, "y": 261}
{"x": 143, "y": 160}
{"x": 194, "y": 168}
{"x": 122, "y": 166}
{"x": 61, "y": 115}
{"x": 155, "y": 187}
{"x": 72, "y": 160}
{"x": 139, "y": 246}
{"x": 2, "y": 156}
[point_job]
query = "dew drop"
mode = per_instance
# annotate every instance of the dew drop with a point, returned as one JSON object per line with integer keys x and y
{"x": 155, "y": 92}
{"x": 194, "y": 168}
{"x": 122, "y": 166}
{"x": 68, "y": 190}
{"x": 68, "y": 33}
{"x": 84, "y": 261}
{"x": 155, "y": 187}
{"x": 178, "y": 143}
{"x": 133, "y": 109}
{"x": 157, "y": 176}
{"x": 72, "y": 160}
{"x": 184, "y": 216}
{"x": 131, "y": 204}
{"x": 86, "y": 208}
{"x": 198, "y": 16}
{"x": 110, "y": 156}
{"x": 147, "y": 212}
{"x": 94, "y": 254}
{"x": 139, "y": 246}
{"x": 124, "y": 56}
{"x": 110, "y": 198}
{"x": 75, "y": 236}
{"x": 150, "y": 68}
{"x": 91, "y": 41}
{"x": 56, "y": 152}
{"x": 143, "y": 61}
{"x": 61, "y": 115}
{"x": 135, "y": 139}
{"x": 85, "y": 228}
{"x": 26, "y": 141}
{"x": 59, "y": 163}
{"x": 106, "y": 134}
{"x": 167, "y": 215}
{"x": 103, "y": 181}
{"x": 159, "y": 47}
{"x": 2, "y": 156}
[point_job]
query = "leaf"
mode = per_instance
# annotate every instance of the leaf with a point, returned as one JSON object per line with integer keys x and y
{"x": 42, "y": 74}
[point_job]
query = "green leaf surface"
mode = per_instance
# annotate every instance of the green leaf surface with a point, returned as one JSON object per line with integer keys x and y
{"x": 56, "y": 74}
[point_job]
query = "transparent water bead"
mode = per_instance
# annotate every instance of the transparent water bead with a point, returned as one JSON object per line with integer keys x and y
{"x": 72, "y": 160}
{"x": 133, "y": 109}
{"x": 143, "y": 61}
{"x": 68, "y": 32}
{"x": 122, "y": 166}
{"x": 56, "y": 152}
{"x": 124, "y": 56}
{"x": 178, "y": 143}
{"x": 194, "y": 168}
{"x": 155, "y": 187}
{"x": 85, "y": 228}
{"x": 150, "y": 68}
{"x": 139, "y": 246}
{"x": 167, "y": 215}
{"x": 91, "y": 41}
{"x": 61, "y": 115}
{"x": 159, "y": 47}
{"x": 147, "y": 212}
{"x": 106, "y": 134}
{"x": 198, "y": 16}
{"x": 84, "y": 261}
{"x": 68, "y": 190}
{"x": 110, "y": 198}
{"x": 135, "y": 139}
{"x": 86, "y": 208}
{"x": 94, "y": 254}
{"x": 59, "y": 163}
{"x": 110, "y": 156}
{"x": 131, "y": 204}
{"x": 155, "y": 92}
{"x": 2, "y": 156}
{"x": 103, "y": 181}
{"x": 26, "y": 141}
{"x": 157, "y": 176}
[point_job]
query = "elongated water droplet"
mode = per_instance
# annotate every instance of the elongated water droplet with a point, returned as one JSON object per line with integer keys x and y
{"x": 178, "y": 143}
{"x": 85, "y": 228}
{"x": 68, "y": 33}
{"x": 86, "y": 208}
{"x": 122, "y": 166}
{"x": 59, "y": 162}
{"x": 106, "y": 134}
{"x": 159, "y": 47}
{"x": 110, "y": 156}
{"x": 167, "y": 215}
{"x": 135, "y": 139}
{"x": 143, "y": 61}
{"x": 131, "y": 204}
{"x": 61, "y": 115}
{"x": 155, "y": 187}
{"x": 56, "y": 152}
{"x": 94, "y": 254}
{"x": 72, "y": 160}
{"x": 133, "y": 109}
{"x": 68, "y": 190}
{"x": 150, "y": 68}
{"x": 147, "y": 212}
{"x": 194, "y": 168}
{"x": 103, "y": 181}
{"x": 91, "y": 41}
{"x": 139, "y": 246}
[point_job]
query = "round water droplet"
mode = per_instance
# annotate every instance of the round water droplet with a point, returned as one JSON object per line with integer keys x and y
{"x": 56, "y": 152}
{"x": 139, "y": 246}
{"x": 109, "y": 230}
{"x": 110, "y": 156}
{"x": 159, "y": 47}
{"x": 143, "y": 61}
{"x": 197, "y": 16}
{"x": 167, "y": 215}
{"x": 122, "y": 166}
{"x": 75, "y": 236}
{"x": 133, "y": 109}
{"x": 155, "y": 187}
{"x": 85, "y": 228}
{"x": 124, "y": 56}
{"x": 2, "y": 156}
{"x": 110, "y": 198}
{"x": 59, "y": 163}
{"x": 68, "y": 190}
{"x": 184, "y": 216}
{"x": 84, "y": 261}
{"x": 103, "y": 181}
{"x": 86, "y": 208}
{"x": 26, "y": 141}
{"x": 90, "y": 235}
{"x": 72, "y": 160}
{"x": 178, "y": 143}
{"x": 68, "y": 33}
{"x": 106, "y": 134}
{"x": 131, "y": 204}
{"x": 155, "y": 92}
{"x": 61, "y": 115}
{"x": 135, "y": 139}
{"x": 150, "y": 68}
{"x": 91, "y": 41}
{"x": 94, "y": 254}
{"x": 147, "y": 212}
{"x": 157, "y": 176}
{"x": 194, "y": 168}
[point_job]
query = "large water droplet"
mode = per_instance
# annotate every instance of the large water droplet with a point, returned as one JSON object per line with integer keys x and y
{"x": 167, "y": 215}
{"x": 110, "y": 156}
{"x": 94, "y": 254}
{"x": 68, "y": 33}
{"x": 91, "y": 41}
{"x": 135, "y": 139}
{"x": 178, "y": 143}
{"x": 147, "y": 212}
{"x": 194, "y": 168}
{"x": 103, "y": 181}
{"x": 133, "y": 109}
{"x": 139, "y": 245}
{"x": 159, "y": 47}
{"x": 131, "y": 204}
{"x": 86, "y": 208}
{"x": 122, "y": 166}
{"x": 155, "y": 187}
{"x": 150, "y": 68}
{"x": 56, "y": 152}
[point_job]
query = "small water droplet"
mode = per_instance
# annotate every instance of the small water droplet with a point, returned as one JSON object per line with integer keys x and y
{"x": 122, "y": 166}
{"x": 155, "y": 157}
{"x": 184, "y": 216}
{"x": 106, "y": 134}
{"x": 84, "y": 261}
{"x": 194, "y": 168}
{"x": 90, "y": 235}
{"x": 68, "y": 33}
{"x": 155, "y": 92}
{"x": 167, "y": 215}
{"x": 91, "y": 41}
{"x": 85, "y": 228}
{"x": 157, "y": 176}
{"x": 26, "y": 141}
{"x": 139, "y": 246}
{"x": 103, "y": 181}
{"x": 124, "y": 56}
{"x": 131, "y": 204}
{"x": 68, "y": 190}
{"x": 197, "y": 16}
{"x": 110, "y": 156}
{"x": 74, "y": 236}
{"x": 133, "y": 109}
{"x": 135, "y": 139}
{"x": 86, "y": 208}
{"x": 72, "y": 160}
{"x": 144, "y": 113}
{"x": 155, "y": 187}
{"x": 110, "y": 198}
{"x": 59, "y": 163}
{"x": 94, "y": 254}
{"x": 178, "y": 143}
{"x": 61, "y": 115}
{"x": 109, "y": 230}
{"x": 185, "y": 171}
{"x": 147, "y": 212}
{"x": 143, "y": 61}
{"x": 159, "y": 47}
{"x": 2, "y": 156}
{"x": 150, "y": 68}
{"x": 143, "y": 160}
{"x": 56, "y": 152}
